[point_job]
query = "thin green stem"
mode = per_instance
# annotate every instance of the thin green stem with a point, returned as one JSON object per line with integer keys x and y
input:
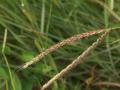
{"x": 43, "y": 16}
{"x": 5, "y": 58}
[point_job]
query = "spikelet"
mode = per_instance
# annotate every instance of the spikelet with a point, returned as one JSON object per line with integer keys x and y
{"x": 60, "y": 44}
{"x": 75, "y": 62}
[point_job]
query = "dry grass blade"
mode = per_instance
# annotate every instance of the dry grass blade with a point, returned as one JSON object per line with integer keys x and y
{"x": 75, "y": 62}
{"x": 113, "y": 84}
{"x": 60, "y": 44}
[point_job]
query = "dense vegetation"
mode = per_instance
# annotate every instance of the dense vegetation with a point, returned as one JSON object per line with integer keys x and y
{"x": 28, "y": 27}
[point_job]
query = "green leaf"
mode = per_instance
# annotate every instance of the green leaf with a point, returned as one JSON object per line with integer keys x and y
{"x": 56, "y": 2}
{"x": 17, "y": 82}
{"x": 3, "y": 73}
{"x": 27, "y": 56}
{"x": 43, "y": 68}
{"x": 27, "y": 86}
{"x": 7, "y": 50}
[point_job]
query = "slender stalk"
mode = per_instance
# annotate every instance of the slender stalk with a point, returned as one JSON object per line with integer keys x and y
{"x": 3, "y": 49}
{"x": 75, "y": 62}
{"x": 108, "y": 9}
{"x": 60, "y": 44}
{"x": 112, "y": 84}
{"x": 43, "y": 16}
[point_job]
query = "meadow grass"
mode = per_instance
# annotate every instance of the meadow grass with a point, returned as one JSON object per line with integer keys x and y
{"x": 29, "y": 27}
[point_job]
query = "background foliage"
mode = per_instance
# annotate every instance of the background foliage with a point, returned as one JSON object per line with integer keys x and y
{"x": 34, "y": 25}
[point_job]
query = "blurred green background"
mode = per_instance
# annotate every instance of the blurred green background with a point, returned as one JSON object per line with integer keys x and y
{"x": 28, "y": 27}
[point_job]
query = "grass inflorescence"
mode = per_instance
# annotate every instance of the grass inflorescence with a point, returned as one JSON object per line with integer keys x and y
{"x": 39, "y": 38}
